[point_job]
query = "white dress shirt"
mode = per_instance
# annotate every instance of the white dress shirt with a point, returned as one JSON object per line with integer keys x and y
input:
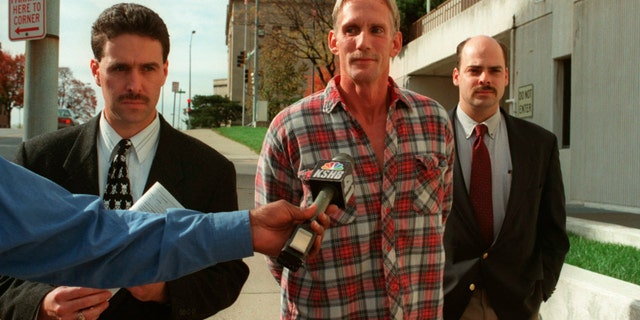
{"x": 139, "y": 158}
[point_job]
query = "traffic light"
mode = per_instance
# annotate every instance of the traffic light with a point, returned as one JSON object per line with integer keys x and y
{"x": 246, "y": 75}
{"x": 240, "y": 60}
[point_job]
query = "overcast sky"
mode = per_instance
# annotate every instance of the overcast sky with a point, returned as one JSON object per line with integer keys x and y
{"x": 208, "y": 50}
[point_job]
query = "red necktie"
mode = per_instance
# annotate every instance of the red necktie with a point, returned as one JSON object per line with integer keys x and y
{"x": 480, "y": 186}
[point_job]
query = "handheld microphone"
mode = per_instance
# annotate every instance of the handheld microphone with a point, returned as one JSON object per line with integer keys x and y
{"x": 331, "y": 182}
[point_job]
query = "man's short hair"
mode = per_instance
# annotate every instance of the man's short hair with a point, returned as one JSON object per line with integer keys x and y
{"x": 128, "y": 18}
{"x": 391, "y": 4}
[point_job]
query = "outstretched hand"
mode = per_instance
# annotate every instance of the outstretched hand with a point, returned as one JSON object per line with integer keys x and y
{"x": 273, "y": 224}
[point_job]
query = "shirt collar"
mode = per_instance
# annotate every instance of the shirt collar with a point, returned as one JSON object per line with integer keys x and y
{"x": 333, "y": 99}
{"x": 469, "y": 124}
{"x": 142, "y": 143}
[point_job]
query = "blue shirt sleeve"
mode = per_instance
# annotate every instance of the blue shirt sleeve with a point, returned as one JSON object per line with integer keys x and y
{"x": 50, "y": 235}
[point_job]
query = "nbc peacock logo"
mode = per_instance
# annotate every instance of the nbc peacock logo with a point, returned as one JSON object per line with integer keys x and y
{"x": 333, "y": 165}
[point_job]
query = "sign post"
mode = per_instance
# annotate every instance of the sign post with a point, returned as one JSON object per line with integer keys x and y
{"x": 27, "y": 19}
{"x": 175, "y": 88}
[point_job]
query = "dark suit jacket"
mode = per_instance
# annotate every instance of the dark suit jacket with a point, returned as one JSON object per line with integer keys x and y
{"x": 522, "y": 267}
{"x": 197, "y": 175}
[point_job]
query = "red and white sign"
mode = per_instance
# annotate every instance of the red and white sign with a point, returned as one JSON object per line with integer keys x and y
{"x": 27, "y": 19}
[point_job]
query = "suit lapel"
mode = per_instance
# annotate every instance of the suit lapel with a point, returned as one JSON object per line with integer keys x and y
{"x": 81, "y": 163}
{"x": 166, "y": 167}
{"x": 520, "y": 161}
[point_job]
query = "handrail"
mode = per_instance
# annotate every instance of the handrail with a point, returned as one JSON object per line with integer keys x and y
{"x": 444, "y": 12}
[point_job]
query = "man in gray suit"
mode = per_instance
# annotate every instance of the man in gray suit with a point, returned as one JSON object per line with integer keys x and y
{"x": 504, "y": 263}
{"x": 131, "y": 45}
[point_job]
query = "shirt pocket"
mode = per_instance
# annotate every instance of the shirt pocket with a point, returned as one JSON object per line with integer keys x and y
{"x": 428, "y": 191}
{"x": 345, "y": 216}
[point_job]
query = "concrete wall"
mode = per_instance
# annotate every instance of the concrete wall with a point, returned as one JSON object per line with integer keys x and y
{"x": 534, "y": 66}
{"x": 582, "y": 294}
{"x": 440, "y": 89}
{"x": 605, "y": 117}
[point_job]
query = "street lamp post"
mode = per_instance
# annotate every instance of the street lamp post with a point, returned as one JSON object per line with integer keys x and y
{"x": 244, "y": 64}
{"x": 179, "y": 92}
{"x": 189, "y": 100}
{"x": 255, "y": 68}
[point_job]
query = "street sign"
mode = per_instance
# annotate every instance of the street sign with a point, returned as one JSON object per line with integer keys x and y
{"x": 175, "y": 86}
{"x": 27, "y": 19}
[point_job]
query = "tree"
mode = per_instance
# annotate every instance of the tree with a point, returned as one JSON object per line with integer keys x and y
{"x": 213, "y": 111}
{"x": 11, "y": 83}
{"x": 303, "y": 26}
{"x": 76, "y": 95}
{"x": 282, "y": 83}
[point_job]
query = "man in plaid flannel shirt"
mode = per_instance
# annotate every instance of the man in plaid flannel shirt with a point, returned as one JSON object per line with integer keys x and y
{"x": 383, "y": 258}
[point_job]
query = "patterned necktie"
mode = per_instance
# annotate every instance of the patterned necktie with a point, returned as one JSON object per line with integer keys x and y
{"x": 480, "y": 186}
{"x": 117, "y": 194}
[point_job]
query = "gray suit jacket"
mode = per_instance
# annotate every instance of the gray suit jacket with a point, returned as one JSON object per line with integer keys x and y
{"x": 198, "y": 176}
{"x": 522, "y": 267}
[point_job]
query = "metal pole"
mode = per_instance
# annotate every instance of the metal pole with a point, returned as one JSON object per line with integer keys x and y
{"x": 41, "y": 77}
{"x": 173, "y": 115}
{"x": 179, "y": 105}
{"x": 255, "y": 69}
{"x": 244, "y": 65}
{"x": 189, "y": 100}
{"x": 313, "y": 63}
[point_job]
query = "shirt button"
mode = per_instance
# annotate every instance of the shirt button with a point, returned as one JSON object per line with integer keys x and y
{"x": 472, "y": 287}
{"x": 485, "y": 255}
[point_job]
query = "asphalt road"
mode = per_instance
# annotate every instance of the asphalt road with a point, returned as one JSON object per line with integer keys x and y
{"x": 9, "y": 141}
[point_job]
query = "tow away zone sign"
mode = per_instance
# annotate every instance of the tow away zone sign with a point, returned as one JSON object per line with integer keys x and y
{"x": 27, "y": 19}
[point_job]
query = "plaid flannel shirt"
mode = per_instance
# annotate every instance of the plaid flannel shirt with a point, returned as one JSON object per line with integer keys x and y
{"x": 383, "y": 256}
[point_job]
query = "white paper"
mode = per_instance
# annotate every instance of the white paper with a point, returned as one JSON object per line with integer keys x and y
{"x": 156, "y": 200}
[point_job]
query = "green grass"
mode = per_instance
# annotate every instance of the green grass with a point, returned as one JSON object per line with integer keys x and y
{"x": 617, "y": 261}
{"x": 249, "y": 136}
{"x": 614, "y": 260}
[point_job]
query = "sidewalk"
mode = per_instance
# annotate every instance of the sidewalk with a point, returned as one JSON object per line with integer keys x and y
{"x": 229, "y": 148}
{"x": 260, "y": 295}
{"x": 244, "y": 158}
{"x": 625, "y": 219}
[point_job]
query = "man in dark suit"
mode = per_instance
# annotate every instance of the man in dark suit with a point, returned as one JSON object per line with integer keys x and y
{"x": 501, "y": 264}
{"x": 131, "y": 44}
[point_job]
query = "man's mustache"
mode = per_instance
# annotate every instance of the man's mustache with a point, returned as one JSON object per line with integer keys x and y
{"x": 132, "y": 96}
{"x": 486, "y": 88}
{"x": 357, "y": 56}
